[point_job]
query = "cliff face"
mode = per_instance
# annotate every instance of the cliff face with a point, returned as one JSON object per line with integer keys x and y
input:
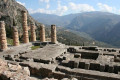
{"x": 10, "y": 12}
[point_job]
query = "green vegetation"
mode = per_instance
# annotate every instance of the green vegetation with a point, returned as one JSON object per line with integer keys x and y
{"x": 35, "y": 47}
{"x": 10, "y": 41}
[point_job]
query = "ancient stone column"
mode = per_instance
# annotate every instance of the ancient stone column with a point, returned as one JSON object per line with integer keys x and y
{"x": 15, "y": 37}
{"x": 53, "y": 34}
{"x": 42, "y": 33}
{"x": 3, "y": 40}
{"x": 25, "y": 27}
{"x": 33, "y": 33}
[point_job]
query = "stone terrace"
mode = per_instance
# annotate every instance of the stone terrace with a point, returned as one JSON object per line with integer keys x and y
{"x": 60, "y": 61}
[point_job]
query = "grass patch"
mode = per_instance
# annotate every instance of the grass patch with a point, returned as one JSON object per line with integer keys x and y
{"x": 10, "y": 41}
{"x": 35, "y": 47}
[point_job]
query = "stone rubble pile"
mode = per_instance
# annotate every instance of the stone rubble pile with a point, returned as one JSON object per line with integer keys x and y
{"x": 10, "y": 71}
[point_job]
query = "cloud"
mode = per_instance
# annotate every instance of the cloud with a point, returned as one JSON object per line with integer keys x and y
{"x": 81, "y": 7}
{"x": 105, "y": 7}
{"x": 21, "y": 3}
{"x": 47, "y": 6}
{"x": 60, "y": 10}
{"x": 41, "y": 11}
{"x": 46, "y": 1}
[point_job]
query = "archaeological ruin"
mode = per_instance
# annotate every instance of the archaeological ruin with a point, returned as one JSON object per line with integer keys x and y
{"x": 54, "y": 60}
{"x": 15, "y": 37}
{"x": 53, "y": 34}
{"x": 33, "y": 33}
{"x": 42, "y": 33}
{"x": 3, "y": 40}
{"x": 25, "y": 27}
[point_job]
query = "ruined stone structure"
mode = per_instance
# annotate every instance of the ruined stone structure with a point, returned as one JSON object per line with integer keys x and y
{"x": 3, "y": 40}
{"x": 42, "y": 33}
{"x": 53, "y": 34}
{"x": 55, "y": 60}
{"x": 15, "y": 37}
{"x": 61, "y": 61}
{"x": 25, "y": 27}
{"x": 33, "y": 33}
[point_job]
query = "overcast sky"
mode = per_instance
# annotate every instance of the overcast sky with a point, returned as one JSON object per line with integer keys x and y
{"x": 64, "y": 7}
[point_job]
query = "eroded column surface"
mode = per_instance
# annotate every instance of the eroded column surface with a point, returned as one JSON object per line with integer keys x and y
{"x": 25, "y": 28}
{"x": 42, "y": 33}
{"x": 15, "y": 37}
{"x": 53, "y": 34}
{"x": 33, "y": 33}
{"x": 3, "y": 40}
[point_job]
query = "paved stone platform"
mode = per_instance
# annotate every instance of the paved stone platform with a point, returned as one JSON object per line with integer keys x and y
{"x": 49, "y": 52}
{"x": 61, "y": 61}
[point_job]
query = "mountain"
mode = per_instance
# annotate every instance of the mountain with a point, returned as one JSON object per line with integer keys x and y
{"x": 68, "y": 37}
{"x": 54, "y": 19}
{"x": 100, "y": 26}
{"x": 113, "y": 36}
{"x": 10, "y": 12}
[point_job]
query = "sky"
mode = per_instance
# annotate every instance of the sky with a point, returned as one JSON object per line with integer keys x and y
{"x": 64, "y": 7}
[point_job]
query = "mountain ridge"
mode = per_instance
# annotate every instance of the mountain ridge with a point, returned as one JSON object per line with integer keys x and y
{"x": 96, "y": 24}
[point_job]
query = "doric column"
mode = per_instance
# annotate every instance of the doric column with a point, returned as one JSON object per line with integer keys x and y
{"x": 53, "y": 34}
{"x": 25, "y": 27}
{"x": 3, "y": 40}
{"x": 33, "y": 33}
{"x": 42, "y": 33}
{"x": 15, "y": 37}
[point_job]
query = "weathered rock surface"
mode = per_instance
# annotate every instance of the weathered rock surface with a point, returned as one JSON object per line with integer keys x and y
{"x": 11, "y": 13}
{"x": 10, "y": 71}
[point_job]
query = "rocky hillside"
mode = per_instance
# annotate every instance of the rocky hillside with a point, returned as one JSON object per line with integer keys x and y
{"x": 10, "y": 12}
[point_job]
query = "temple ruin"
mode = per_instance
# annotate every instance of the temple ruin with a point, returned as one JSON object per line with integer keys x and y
{"x": 15, "y": 36}
{"x": 25, "y": 27}
{"x": 54, "y": 59}
{"x": 42, "y": 33}
{"x": 3, "y": 40}
{"x": 53, "y": 34}
{"x": 33, "y": 33}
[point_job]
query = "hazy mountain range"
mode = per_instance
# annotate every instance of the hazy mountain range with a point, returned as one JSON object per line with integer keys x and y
{"x": 101, "y": 26}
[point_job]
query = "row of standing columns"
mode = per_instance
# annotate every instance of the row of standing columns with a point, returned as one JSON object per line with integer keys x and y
{"x": 3, "y": 39}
